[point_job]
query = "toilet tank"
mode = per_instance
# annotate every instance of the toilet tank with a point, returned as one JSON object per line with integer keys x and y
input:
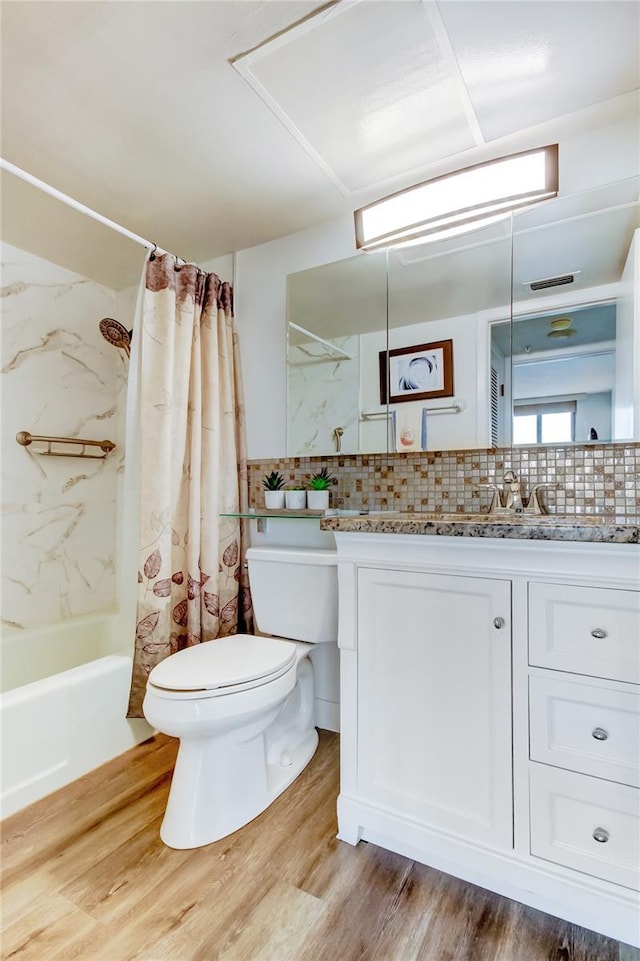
{"x": 295, "y": 592}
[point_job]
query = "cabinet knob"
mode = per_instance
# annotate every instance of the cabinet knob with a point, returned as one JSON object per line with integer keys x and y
{"x": 601, "y": 835}
{"x": 600, "y": 734}
{"x": 599, "y": 633}
{"x": 498, "y": 622}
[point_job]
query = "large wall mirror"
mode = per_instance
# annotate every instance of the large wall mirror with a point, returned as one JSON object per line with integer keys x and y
{"x": 574, "y": 340}
{"x": 411, "y": 349}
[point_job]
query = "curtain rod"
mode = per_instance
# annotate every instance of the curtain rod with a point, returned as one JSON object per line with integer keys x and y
{"x": 320, "y": 340}
{"x": 75, "y": 204}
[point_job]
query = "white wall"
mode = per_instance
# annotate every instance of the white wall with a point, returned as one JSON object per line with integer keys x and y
{"x": 626, "y": 398}
{"x": 222, "y": 266}
{"x": 470, "y": 427}
{"x": 594, "y": 410}
{"x": 61, "y": 378}
{"x": 564, "y": 376}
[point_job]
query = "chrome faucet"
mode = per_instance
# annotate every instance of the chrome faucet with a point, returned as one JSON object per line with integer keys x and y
{"x": 514, "y": 495}
{"x": 511, "y": 502}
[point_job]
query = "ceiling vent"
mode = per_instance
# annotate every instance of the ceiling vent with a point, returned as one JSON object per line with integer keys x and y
{"x": 552, "y": 281}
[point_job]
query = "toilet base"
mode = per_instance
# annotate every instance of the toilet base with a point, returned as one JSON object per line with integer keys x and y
{"x": 183, "y": 829}
{"x": 221, "y": 783}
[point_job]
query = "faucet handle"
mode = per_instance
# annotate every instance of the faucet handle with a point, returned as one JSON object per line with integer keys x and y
{"x": 510, "y": 477}
{"x": 495, "y": 496}
{"x": 534, "y": 505}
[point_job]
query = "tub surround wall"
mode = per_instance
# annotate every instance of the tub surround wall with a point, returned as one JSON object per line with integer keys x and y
{"x": 592, "y": 479}
{"x": 322, "y": 395}
{"x": 60, "y": 377}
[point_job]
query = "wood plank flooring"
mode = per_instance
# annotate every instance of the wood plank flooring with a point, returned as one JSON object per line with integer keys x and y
{"x": 86, "y": 878}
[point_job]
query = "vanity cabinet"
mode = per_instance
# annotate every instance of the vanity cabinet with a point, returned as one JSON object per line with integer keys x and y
{"x": 490, "y": 715}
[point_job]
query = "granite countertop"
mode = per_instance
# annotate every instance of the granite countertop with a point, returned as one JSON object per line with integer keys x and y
{"x": 546, "y": 527}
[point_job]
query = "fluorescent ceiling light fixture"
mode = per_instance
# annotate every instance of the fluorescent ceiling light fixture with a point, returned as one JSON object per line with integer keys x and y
{"x": 460, "y": 199}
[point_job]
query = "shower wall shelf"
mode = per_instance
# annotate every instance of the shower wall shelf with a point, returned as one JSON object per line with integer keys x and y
{"x": 24, "y": 438}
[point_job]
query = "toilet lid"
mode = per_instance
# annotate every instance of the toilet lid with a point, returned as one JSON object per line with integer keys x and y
{"x": 225, "y": 662}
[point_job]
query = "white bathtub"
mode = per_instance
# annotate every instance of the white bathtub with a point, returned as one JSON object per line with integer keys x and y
{"x": 62, "y": 709}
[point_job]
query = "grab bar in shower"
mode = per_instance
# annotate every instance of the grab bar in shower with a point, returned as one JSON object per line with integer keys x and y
{"x": 25, "y": 438}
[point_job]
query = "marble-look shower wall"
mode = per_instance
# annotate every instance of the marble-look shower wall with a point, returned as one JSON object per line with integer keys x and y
{"x": 322, "y": 397}
{"x": 61, "y": 378}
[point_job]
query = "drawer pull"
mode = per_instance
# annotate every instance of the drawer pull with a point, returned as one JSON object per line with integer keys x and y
{"x": 601, "y": 835}
{"x": 600, "y": 734}
{"x": 599, "y": 633}
{"x": 498, "y": 622}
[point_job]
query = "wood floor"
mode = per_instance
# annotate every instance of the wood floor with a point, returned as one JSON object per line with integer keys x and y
{"x": 86, "y": 878}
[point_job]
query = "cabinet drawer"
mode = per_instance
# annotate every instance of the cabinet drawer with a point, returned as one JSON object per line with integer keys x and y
{"x": 569, "y": 811}
{"x": 590, "y": 729}
{"x": 585, "y": 630}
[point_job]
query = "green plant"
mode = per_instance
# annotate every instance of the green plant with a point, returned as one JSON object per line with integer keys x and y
{"x": 321, "y": 481}
{"x": 273, "y": 481}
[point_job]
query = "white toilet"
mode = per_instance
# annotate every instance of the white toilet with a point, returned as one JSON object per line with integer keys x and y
{"x": 243, "y": 705}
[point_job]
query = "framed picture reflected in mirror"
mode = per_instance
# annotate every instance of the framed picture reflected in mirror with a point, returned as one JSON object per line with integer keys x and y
{"x": 415, "y": 373}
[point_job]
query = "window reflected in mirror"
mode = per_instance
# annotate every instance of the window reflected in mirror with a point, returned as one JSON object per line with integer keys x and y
{"x": 563, "y": 374}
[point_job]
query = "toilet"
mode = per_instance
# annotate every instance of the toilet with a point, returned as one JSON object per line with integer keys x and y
{"x": 243, "y": 705}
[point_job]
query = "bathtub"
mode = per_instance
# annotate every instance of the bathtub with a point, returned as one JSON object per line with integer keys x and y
{"x": 62, "y": 708}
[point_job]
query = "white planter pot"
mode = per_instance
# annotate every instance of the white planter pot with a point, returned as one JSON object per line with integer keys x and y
{"x": 317, "y": 500}
{"x": 274, "y": 500}
{"x": 295, "y": 500}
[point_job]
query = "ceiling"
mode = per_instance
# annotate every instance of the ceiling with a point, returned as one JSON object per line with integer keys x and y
{"x": 580, "y": 327}
{"x": 209, "y": 127}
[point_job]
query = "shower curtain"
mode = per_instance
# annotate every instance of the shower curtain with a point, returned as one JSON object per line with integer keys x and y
{"x": 192, "y": 585}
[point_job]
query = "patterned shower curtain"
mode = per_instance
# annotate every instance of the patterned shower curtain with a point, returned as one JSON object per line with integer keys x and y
{"x": 192, "y": 586}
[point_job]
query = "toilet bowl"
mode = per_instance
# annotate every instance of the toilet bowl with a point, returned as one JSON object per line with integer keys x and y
{"x": 243, "y": 706}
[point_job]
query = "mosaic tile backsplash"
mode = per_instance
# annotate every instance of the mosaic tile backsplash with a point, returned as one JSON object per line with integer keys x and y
{"x": 593, "y": 479}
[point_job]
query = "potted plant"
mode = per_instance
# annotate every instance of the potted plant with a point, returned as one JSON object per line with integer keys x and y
{"x": 318, "y": 493}
{"x": 295, "y": 498}
{"x": 273, "y": 484}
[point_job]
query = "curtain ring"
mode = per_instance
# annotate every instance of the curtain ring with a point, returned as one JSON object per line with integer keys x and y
{"x": 177, "y": 266}
{"x": 152, "y": 255}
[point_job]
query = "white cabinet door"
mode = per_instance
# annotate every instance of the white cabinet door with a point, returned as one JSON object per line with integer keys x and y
{"x": 434, "y": 700}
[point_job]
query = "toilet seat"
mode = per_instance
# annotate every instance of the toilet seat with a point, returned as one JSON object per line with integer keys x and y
{"x": 238, "y": 662}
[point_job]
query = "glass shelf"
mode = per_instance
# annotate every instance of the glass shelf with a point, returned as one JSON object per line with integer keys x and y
{"x": 264, "y": 514}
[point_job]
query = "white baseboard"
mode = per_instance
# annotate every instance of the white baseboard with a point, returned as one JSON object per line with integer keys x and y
{"x": 327, "y": 715}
